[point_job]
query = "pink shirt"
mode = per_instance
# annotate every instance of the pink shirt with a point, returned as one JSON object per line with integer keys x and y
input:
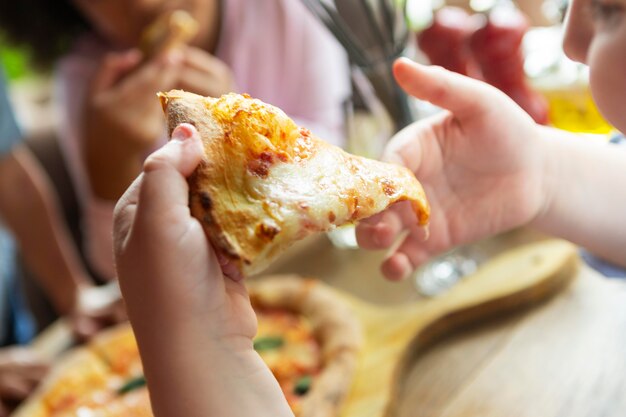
{"x": 277, "y": 52}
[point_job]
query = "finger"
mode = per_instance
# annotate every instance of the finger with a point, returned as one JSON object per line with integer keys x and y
{"x": 84, "y": 328}
{"x": 229, "y": 269}
{"x": 164, "y": 184}
{"x": 179, "y": 156}
{"x": 114, "y": 67}
{"x": 205, "y": 74}
{"x": 397, "y": 267}
{"x": 34, "y": 373}
{"x": 381, "y": 232}
{"x": 124, "y": 213}
{"x": 14, "y": 387}
{"x": 19, "y": 358}
{"x": 32, "y": 370}
{"x": 160, "y": 73}
{"x": 202, "y": 83}
{"x": 411, "y": 253}
{"x": 406, "y": 147}
{"x": 120, "y": 312}
{"x": 461, "y": 95}
{"x": 201, "y": 60}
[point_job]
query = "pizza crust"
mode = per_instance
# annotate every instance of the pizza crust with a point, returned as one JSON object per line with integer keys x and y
{"x": 335, "y": 327}
{"x": 117, "y": 347}
{"x": 80, "y": 370}
{"x": 103, "y": 365}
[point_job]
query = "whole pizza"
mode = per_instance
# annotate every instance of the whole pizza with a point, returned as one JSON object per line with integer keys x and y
{"x": 307, "y": 335}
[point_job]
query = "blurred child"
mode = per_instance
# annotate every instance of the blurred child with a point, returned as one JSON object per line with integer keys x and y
{"x": 28, "y": 207}
{"x": 271, "y": 49}
{"x": 20, "y": 368}
{"x": 486, "y": 165}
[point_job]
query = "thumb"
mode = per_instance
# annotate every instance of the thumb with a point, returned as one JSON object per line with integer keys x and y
{"x": 164, "y": 183}
{"x": 463, "y": 96}
{"x": 114, "y": 67}
{"x": 162, "y": 186}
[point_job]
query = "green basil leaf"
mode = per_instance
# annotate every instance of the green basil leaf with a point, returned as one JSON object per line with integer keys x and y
{"x": 132, "y": 384}
{"x": 303, "y": 385}
{"x": 267, "y": 343}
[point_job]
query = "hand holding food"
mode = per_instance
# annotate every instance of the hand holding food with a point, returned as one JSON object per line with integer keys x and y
{"x": 265, "y": 182}
{"x": 122, "y": 93}
{"x": 480, "y": 161}
{"x": 173, "y": 284}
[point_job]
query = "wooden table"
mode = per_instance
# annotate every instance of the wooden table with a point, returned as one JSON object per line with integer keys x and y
{"x": 565, "y": 357}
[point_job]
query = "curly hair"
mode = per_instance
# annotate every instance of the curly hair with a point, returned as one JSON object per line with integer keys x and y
{"x": 47, "y": 28}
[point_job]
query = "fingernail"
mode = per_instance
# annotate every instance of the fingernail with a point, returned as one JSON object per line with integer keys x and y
{"x": 182, "y": 133}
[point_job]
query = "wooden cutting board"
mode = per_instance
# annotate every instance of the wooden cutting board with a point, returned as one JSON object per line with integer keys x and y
{"x": 517, "y": 278}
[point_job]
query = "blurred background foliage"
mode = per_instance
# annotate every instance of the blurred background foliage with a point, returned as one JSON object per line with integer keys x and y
{"x": 15, "y": 61}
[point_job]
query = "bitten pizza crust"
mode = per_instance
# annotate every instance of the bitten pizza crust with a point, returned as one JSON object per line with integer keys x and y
{"x": 266, "y": 182}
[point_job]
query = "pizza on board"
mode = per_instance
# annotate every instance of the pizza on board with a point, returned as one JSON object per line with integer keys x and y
{"x": 310, "y": 340}
{"x": 266, "y": 182}
{"x": 307, "y": 336}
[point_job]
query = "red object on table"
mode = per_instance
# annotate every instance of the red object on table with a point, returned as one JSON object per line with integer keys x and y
{"x": 497, "y": 48}
{"x": 445, "y": 42}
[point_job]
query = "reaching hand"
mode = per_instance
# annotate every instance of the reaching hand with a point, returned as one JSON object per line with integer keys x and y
{"x": 204, "y": 74}
{"x": 20, "y": 372}
{"x": 480, "y": 162}
{"x": 97, "y": 308}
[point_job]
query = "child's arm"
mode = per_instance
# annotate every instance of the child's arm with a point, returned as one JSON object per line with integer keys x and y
{"x": 28, "y": 207}
{"x": 194, "y": 325}
{"x": 487, "y": 167}
{"x": 586, "y": 194}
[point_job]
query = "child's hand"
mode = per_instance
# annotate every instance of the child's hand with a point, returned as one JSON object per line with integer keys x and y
{"x": 204, "y": 74}
{"x": 480, "y": 163}
{"x": 123, "y": 119}
{"x": 20, "y": 372}
{"x": 96, "y": 308}
{"x": 167, "y": 269}
{"x": 193, "y": 324}
{"x": 123, "y": 93}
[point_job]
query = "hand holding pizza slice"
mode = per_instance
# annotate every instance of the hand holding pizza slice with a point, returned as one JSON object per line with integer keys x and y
{"x": 266, "y": 183}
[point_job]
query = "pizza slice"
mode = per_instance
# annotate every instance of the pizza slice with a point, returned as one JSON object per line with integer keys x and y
{"x": 266, "y": 182}
{"x": 79, "y": 379}
{"x": 307, "y": 336}
{"x": 117, "y": 347}
{"x": 168, "y": 31}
